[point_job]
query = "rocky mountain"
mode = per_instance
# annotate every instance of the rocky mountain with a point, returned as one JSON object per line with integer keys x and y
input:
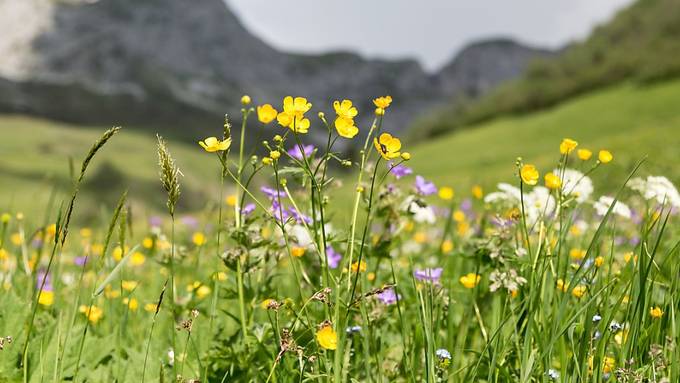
{"x": 178, "y": 65}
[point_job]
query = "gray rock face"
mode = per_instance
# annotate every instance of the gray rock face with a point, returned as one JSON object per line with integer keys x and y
{"x": 180, "y": 64}
{"x": 483, "y": 65}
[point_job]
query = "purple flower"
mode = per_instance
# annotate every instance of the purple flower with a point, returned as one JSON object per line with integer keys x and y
{"x": 333, "y": 257}
{"x": 428, "y": 275}
{"x": 80, "y": 261}
{"x": 299, "y": 217}
{"x": 399, "y": 170}
{"x": 155, "y": 221}
{"x": 272, "y": 194}
{"x": 296, "y": 153}
{"x": 249, "y": 208}
{"x": 190, "y": 221}
{"x": 278, "y": 212}
{"x": 424, "y": 187}
{"x": 388, "y": 296}
{"x": 466, "y": 205}
{"x": 44, "y": 277}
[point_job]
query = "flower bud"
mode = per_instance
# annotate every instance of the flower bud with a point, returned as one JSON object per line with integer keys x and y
{"x": 274, "y": 154}
{"x": 379, "y": 111}
{"x": 245, "y": 100}
{"x": 405, "y": 156}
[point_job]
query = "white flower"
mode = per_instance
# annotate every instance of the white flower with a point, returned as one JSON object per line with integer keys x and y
{"x": 301, "y": 235}
{"x": 658, "y": 188}
{"x": 420, "y": 211}
{"x": 602, "y": 206}
{"x": 575, "y": 183}
{"x": 538, "y": 203}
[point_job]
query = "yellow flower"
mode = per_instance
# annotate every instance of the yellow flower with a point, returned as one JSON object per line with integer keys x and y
{"x": 93, "y": 314}
{"x": 360, "y": 267}
{"x": 462, "y": 228}
{"x": 370, "y": 276}
{"x": 656, "y": 312}
{"x": 470, "y": 280}
{"x": 552, "y": 181}
{"x": 447, "y": 246}
{"x": 51, "y": 230}
{"x": 621, "y": 337}
{"x": 150, "y": 307}
{"x": 86, "y": 232}
{"x": 345, "y": 109}
{"x": 326, "y": 337}
{"x": 599, "y": 261}
{"x": 203, "y": 291}
{"x": 584, "y": 154}
{"x": 608, "y": 364}
{"x": 379, "y": 111}
{"x": 605, "y": 156}
{"x": 293, "y": 114}
{"x": 147, "y": 242}
{"x": 231, "y": 200}
{"x": 387, "y": 146}
{"x": 297, "y": 251}
{"x": 266, "y": 113}
{"x": 345, "y": 127}
{"x": 568, "y": 145}
{"x": 118, "y": 253}
{"x": 131, "y": 303}
{"x": 458, "y": 216}
{"x": 265, "y": 303}
{"x": 5, "y": 217}
{"x": 529, "y": 174}
{"x": 577, "y": 254}
{"x": 382, "y": 102}
{"x": 446, "y": 193}
{"x": 628, "y": 256}
{"x": 477, "y": 192}
{"x": 267, "y": 161}
{"x": 198, "y": 239}
{"x": 579, "y": 291}
{"x": 137, "y": 259}
{"x": 46, "y": 298}
{"x": 420, "y": 237}
{"x": 562, "y": 286}
{"x": 245, "y": 100}
{"x": 212, "y": 144}
{"x": 274, "y": 154}
{"x": 129, "y": 285}
{"x": 16, "y": 239}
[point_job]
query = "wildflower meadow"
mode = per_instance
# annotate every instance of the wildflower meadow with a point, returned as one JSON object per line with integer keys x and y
{"x": 314, "y": 265}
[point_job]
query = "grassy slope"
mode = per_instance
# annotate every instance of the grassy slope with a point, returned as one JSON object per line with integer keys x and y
{"x": 631, "y": 121}
{"x": 35, "y": 156}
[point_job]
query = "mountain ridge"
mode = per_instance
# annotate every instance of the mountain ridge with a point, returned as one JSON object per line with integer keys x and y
{"x": 182, "y": 63}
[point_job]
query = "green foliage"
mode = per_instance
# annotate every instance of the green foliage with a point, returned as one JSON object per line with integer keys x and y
{"x": 639, "y": 45}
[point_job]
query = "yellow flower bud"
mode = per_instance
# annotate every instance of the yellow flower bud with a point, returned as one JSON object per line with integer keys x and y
{"x": 245, "y": 100}
{"x": 406, "y": 156}
{"x": 275, "y": 154}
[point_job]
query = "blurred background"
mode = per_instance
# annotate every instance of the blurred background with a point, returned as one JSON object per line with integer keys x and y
{"x": 475, "y": 84}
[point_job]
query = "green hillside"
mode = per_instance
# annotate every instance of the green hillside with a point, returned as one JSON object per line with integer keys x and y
{"x": 631, "y": 121}
{"x": 640, "y": 44}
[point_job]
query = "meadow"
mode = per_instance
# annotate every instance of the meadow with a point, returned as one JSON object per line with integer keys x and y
{"x": 393, "y": 271}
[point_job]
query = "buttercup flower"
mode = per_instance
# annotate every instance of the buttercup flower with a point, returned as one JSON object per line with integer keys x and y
{"x": 552, "y": 181}
{"x": 656, "y": 312}
{"x": 568, "y": 145}
{"x": 584, "y": 154}
{"x": 529, "y": 174}
{"x": 327, "y": 337}
{"x": 446, "y": 193}
{"x": 470, "y": 280}
{"x": 381, "y": 104}
{"x": 477, "y": 192}
{"x": 293, "y": 114}
{"x": 212, "y": 144}
{"x": 93, "y": 314}
{"x": 605, "y": 156}
{"x": 266, "y": 113}
{"x": 387, "y": 146}
{"x": 345, "y": 127}
{"x": 345, "y": 109}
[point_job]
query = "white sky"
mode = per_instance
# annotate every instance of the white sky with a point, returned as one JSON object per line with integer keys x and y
{"x": 431, "y": 31}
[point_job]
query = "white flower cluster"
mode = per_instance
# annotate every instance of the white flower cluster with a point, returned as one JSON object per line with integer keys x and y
{"x": 575, "y": 184}
{"x": 657, "y": 188}
{"x": 537, "y": 204}
{"x": 602, "y": 206}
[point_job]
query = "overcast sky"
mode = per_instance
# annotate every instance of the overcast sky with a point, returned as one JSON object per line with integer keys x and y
{"x": 431, "y": 31}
